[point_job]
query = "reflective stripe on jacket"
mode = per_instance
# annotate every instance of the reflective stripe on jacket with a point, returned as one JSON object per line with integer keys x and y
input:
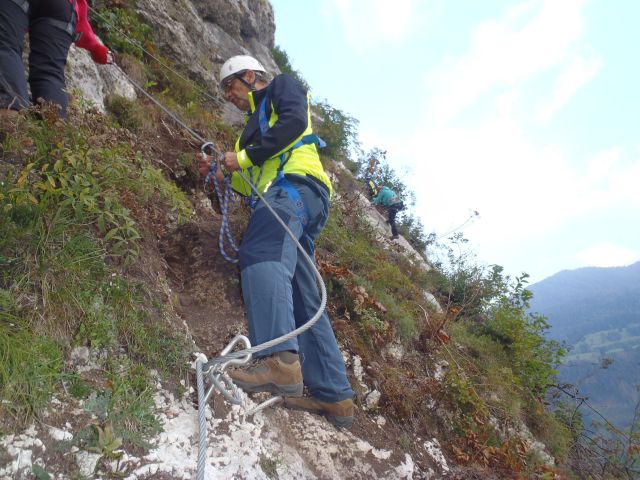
{"x": 289, "y": 115}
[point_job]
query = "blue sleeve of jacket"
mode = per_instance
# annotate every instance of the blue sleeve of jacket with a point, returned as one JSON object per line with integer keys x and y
{"x": 289, "y": 99}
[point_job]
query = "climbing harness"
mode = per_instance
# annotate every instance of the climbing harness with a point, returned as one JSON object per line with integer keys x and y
{"x": 252, "y": 200}
{"x": 294, "y": 196}
{"x": 69, "y": 27}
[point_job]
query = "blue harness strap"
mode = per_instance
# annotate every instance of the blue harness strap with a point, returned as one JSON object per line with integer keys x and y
{"x": 252, "y": 200}
{"x": 312, "y": 138}
{"x": 296, "y": 200}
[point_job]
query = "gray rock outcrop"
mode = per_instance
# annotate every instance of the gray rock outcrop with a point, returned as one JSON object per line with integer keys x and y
{"x": 95, "y": 82}
{"x": 197, "y": 35}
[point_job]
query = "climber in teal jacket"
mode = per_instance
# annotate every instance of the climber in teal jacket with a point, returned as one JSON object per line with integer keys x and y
{"x": 387, "y": 199}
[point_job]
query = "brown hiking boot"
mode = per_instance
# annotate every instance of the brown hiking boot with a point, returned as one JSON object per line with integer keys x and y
{"x": 339, "y": 413}
{"x": 279, "y": 374}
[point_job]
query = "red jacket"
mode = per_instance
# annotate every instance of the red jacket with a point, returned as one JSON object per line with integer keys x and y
{"x": 88, "y": 39}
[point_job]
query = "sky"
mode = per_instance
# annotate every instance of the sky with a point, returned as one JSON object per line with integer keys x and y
{"x": 527, "y": 112}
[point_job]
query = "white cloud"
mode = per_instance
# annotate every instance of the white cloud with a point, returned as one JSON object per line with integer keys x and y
{"x": 607, "y": 255}
{"x": 368, "y": 23}
{"x": 520, "y": 189}
{"x": 530, "y": 38}
{"x": 611, "y": 181}
{"x": 577, "y": 74}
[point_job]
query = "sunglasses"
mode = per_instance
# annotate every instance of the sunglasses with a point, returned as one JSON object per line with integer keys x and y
{"x": 226, "y": 83}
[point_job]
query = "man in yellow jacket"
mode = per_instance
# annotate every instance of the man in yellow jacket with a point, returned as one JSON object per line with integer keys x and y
{"x": 278, "y": 152}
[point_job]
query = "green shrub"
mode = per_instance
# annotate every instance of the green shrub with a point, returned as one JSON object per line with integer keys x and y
{"x": 128, "y": 113}
{"x": 466, "y": 405}
{"x": 112, "y": 24}
{"x": 64, "y": 229}
{"x": 533, "y": 357}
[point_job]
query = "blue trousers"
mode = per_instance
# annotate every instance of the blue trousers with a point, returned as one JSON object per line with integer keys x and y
{"x": 280, "y": 291}
{"x": 49, "y": 46}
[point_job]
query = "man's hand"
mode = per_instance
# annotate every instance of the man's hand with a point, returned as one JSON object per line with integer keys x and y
{"x": 231, "y": 161}
{"x": 204, "y": 163}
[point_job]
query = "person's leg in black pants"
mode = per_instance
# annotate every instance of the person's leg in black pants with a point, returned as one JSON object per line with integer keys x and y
{"x": 393, "y": 211}
{"x": 49, "y": 49}
{"x": 13, "y": 83}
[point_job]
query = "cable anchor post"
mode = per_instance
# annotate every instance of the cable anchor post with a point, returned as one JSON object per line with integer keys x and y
{"x": 214, "y": 371}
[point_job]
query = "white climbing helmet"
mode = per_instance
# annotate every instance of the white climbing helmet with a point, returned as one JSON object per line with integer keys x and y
{"x": 238, "y": 64}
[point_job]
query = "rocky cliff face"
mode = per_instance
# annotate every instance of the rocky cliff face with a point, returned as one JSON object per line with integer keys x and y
{"x": 201, "y": 35}
{"x": 197, "y": 34}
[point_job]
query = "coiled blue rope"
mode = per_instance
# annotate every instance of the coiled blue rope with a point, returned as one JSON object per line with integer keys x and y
{"x": 223, "y": 200}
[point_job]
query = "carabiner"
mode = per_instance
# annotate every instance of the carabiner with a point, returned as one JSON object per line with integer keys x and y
{"x": 211, "y": 147}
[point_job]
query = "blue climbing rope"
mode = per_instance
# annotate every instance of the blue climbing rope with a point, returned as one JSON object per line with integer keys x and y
{"x": 227, "y": 199}
{"x": 224, "y": 200}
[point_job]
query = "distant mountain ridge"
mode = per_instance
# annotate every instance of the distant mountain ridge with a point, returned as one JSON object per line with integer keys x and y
{"x": 596, "y": 311}
{"x": 588, "y": 300}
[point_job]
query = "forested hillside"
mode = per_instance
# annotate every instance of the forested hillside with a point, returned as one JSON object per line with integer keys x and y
{"x": 589, "y": 300}
{"x": 597, "y": 312}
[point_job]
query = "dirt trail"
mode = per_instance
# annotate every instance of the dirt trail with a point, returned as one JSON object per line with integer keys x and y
{"x": 207, "y": 286}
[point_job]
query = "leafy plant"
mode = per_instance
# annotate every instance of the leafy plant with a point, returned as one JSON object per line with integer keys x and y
{"x": 270, "y": 466}
{"x": 107, "y": 442}
{"x": 66, "y": 177}
{"x": 110, "y": 25}
{"x": 521, "y": 334}
{"x": 40, "y": 473}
